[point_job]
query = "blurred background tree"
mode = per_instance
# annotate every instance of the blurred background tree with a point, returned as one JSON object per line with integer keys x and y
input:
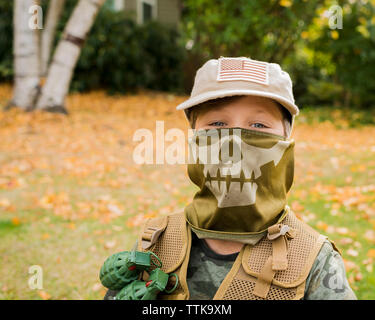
{"x": 331, "y": 67}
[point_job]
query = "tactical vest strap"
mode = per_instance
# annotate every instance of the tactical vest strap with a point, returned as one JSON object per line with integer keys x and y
{"x": 263, "y": 283}
{"x": 172, "y": 245}
{"x": 278, "y": 234}
{"x": 152, "y": 230}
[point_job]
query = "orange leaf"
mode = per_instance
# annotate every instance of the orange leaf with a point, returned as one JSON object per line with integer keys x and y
{"x": 296, "y": 206}
{"x": 45, "y": 236}
{"x": 71, "y": 226}
{"x": 44, "y": 295}
{"x": 322, "y": 226}
{"x": 371, "y": 253}
{"x": 358, "y": 277}
{"x": 16, "y": 221}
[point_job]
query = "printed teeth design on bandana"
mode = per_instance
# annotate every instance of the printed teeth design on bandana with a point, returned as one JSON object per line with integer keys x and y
{"x": 232, "y": 179}
{"x": 221, "y": 186}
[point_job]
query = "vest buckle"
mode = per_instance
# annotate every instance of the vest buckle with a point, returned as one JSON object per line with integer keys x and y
{"x": 278, "y": 230}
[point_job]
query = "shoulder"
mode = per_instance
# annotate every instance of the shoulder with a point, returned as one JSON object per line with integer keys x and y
{"x": 327, "y": 278}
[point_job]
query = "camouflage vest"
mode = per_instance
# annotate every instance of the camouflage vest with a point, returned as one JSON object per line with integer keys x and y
{"x": 276, "y": 268}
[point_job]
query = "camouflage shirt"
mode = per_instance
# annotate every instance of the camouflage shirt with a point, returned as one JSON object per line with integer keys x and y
{"x": 207, "y": 269}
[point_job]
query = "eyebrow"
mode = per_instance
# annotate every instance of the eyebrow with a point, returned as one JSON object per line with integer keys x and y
{"x": 273, "y": 114}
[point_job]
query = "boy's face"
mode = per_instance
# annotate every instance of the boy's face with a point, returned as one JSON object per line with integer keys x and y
{"x": 249, "y": 112}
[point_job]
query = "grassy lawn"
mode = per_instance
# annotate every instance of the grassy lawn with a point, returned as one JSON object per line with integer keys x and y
{"x": 71, "y": 194}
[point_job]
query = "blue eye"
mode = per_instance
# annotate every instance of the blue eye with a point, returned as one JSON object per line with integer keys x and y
{"x": 258, "y": 123}
{"x": 217, "y": 124}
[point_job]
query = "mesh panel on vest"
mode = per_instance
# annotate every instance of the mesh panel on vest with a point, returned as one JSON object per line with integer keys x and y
{"x": 168, "y": 247}
{"x": 298, "y": 252}
{"x": 242, "y": 290}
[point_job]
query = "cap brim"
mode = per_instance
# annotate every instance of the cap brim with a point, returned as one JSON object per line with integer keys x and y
{"x": 191, "y": 102}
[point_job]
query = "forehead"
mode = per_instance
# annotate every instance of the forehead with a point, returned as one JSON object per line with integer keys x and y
{"x": 242, "y": 104}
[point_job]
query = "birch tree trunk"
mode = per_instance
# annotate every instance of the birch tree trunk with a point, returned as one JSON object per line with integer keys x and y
{"x": 26, "y": 57}
{"x": 53, "y": 15}
{"x": 66, "y": 56}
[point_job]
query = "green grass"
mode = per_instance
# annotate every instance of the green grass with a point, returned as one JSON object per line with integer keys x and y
{"x": 72, "y": 235}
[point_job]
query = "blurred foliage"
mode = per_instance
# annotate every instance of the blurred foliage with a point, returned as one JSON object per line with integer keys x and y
{"x": 350, "y": 54}
{"x": 6, "y": 41}
{"x": 329, "y": 67}
{"x": 264, "y": 30}
{"x": 121, "y": 56}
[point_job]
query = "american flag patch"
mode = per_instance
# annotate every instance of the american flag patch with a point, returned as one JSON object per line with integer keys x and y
{"x": 242, "y": 69}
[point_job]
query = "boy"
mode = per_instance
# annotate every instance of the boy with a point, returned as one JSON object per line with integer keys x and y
{"x": 238, "y": 239}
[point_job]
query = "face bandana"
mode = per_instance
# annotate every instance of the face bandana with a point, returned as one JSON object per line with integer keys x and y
{"x": 244, "y": 176}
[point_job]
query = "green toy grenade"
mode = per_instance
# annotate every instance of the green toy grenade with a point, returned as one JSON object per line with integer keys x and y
{"x": 124, "y": 267}
{"x": 147, "y": 290}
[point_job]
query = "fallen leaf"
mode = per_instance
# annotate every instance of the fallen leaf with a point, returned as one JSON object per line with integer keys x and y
{"x": 16, "y": 221}
{"x": 5, "y": 203}
{"x": 322, "y": 225}
{"x": 296, "y": 206}
{"x": 114, "y": 209}
{"x": 371, "y": 253}
{"x": 110, "y": 244}
{"x": 345, "y": 241}
{"x": 44, "y": 295}
{"x": 370, "y": 235}
{"x": 358, "y": 277}
{"x": 96, "y": 287}
{"x": 342, "y": 230}
{"x": 71, "y": 226}
{"x": 349, "y": 265}
{"x": 117, "y": 228}
{"x": 45, "y": 236}
{"x": 352, "y": 253}
{"x": 348, "y": 179}
{"x": 367, "y": 261}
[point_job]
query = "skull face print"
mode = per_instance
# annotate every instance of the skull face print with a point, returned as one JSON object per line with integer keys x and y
{"x": 232, "y": 177}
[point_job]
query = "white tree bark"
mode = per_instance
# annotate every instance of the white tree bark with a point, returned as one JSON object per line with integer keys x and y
{"x": 26, "y": 56}
{"x": 53, "y": 15}
{"x": 66, "y": 55}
